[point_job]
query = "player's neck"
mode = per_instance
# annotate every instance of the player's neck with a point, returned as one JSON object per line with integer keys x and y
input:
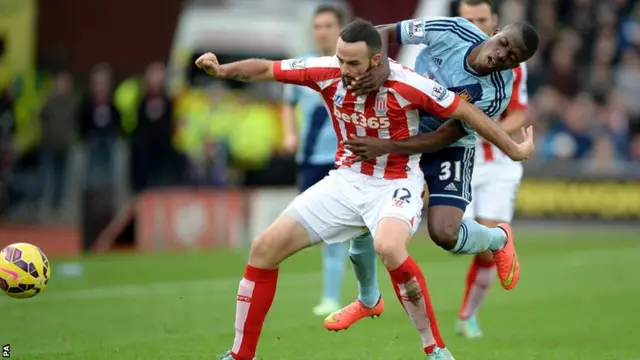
{"x": 471, "y": 59}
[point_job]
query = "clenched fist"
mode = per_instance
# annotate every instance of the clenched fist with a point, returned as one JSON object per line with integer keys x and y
{"x": 209, "y": 63}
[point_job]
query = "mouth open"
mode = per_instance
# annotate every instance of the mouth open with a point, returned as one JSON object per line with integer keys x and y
{"x": 346, "y": 80}
{"x": 491, "y": 62}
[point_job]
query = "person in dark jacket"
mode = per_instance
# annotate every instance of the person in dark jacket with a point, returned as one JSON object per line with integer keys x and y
{"x": 99, "y": 126}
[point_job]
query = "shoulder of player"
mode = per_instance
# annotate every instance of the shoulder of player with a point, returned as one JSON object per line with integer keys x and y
{"x": 460, "y": 28}
{"x": 402, "y": 74}
{"x": 407, "y": 82}
{"x": 323, "y": 61}
{"x": 471, "y": 28}
{"x": 328, "y": 62}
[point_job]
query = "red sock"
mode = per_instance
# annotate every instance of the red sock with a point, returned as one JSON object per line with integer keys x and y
{"x": 479, "y": 278}
{"x": 411, "y": 289}
{"x": 255, "y": 296}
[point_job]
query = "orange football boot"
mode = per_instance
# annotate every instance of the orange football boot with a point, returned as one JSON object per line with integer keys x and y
{"x": 506, "y": 259}
{"x": 352, "y": 313}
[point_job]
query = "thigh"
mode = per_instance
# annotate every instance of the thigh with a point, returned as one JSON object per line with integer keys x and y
{"x": 399, "y": 199}
{"x": 283, "y": 238}
{"x": 329, "y": 209}
{"x": 309, "y": 175}
{"x": 495, "y": 200}
{"x": 448, "y": 174}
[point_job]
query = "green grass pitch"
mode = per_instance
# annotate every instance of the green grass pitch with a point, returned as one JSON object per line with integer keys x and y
{"x": 578, "y": 298}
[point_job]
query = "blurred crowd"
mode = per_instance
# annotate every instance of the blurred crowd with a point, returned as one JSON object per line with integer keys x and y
{"x": 584, "y": 82}
{"x": 584, "y": 89}
{"x": 187, "y": 139}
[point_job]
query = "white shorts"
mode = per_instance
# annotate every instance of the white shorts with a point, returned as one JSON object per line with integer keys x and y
{"x": 346, "y": 204}
{"x": 494, "y": 188}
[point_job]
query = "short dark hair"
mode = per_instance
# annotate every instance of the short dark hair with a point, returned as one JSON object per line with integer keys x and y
{"x": 529, "y": 37}
{"x": 339, "y": 13}
{"x": 362, "y": 30}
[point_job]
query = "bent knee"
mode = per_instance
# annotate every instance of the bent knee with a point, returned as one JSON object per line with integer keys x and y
{"x": 385, "y": 247}
{"x": 264, "y": 249}
{"x": 282, "y": 239}
{"x": 444, "y": 235}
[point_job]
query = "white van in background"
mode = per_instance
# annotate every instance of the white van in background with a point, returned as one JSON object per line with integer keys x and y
{"x": 238, "y": 29}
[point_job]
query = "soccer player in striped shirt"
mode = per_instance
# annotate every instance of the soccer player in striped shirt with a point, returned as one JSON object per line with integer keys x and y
{"x": 381, "y": 195}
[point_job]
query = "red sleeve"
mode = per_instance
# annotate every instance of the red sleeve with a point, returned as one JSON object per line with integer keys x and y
{"x": 427, "y": 95}
{"x": 311, "y": 72}
{"x": 519, "y": 96}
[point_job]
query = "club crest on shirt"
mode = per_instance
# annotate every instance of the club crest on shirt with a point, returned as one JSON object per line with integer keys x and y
{"x": 464, "y": 95}
{"x": 380, "y": 106}
{"x": 470, "y": 93}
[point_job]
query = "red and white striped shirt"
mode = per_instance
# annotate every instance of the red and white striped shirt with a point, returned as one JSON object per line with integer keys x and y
{"x": 391, "y": 113}
{"x": 487, "y": 152}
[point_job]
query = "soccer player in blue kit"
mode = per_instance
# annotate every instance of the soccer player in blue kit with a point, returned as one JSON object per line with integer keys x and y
{"x": 479, "y": 69}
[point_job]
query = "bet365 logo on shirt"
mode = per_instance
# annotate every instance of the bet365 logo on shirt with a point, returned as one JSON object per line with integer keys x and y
{"x": 374, "y": 122}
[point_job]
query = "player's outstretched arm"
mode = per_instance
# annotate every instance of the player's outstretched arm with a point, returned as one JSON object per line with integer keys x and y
{"x": 250, "y": 70}
{"x": 491, "y": 131}
{"x": 367, "y": 148}
{"x": 450, "y": 132}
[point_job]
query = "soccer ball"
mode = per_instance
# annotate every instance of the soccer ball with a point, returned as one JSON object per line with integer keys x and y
{"x": 24, "y": 270}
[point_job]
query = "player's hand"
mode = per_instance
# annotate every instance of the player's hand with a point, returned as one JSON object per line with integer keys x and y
{"x": 367, "y": 148}
{"x": 290, "y": 143}
{"x": 209, "y": 63}
{"x": 370, "y": 81}
{"x": 527, "y": 146}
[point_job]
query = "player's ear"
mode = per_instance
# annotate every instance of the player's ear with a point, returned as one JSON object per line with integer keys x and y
{"x": 375, "y": 59}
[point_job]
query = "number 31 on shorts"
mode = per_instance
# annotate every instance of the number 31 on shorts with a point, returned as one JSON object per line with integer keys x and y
{"x": 445, "y": 170}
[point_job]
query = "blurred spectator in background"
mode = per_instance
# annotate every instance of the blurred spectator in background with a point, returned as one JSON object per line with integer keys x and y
{"x": 151, "y": 152}
{"x": 100, "y": 125}
{"x": 635, "y": 149}
{"x": 202, "y": 134}
{"x": 7, "y": 129}
{"x": 58, "y": 117}
{"x": 627, "y": 80}
{"x": 585, "y": 78}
